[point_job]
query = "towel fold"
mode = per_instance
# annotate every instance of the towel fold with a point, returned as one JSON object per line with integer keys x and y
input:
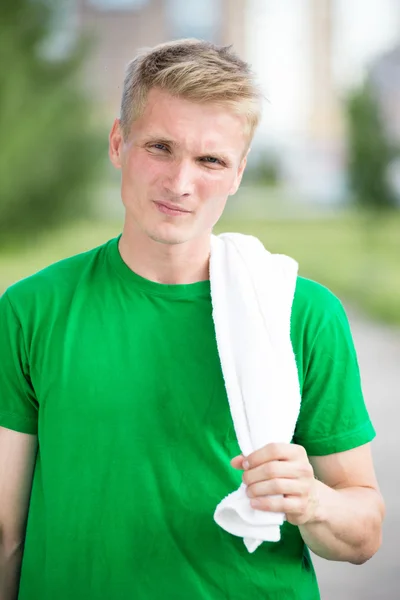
{"x": 252, "y": 293}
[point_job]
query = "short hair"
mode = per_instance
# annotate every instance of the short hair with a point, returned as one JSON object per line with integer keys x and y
{"x": 195, "y": 70}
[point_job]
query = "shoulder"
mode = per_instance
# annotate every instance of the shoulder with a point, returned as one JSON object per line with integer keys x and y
{"x": 55, "y": 282}
{"x": 318, "y": 320}
{"x": 314, "y": 306}
{"x": 313, "y": 296}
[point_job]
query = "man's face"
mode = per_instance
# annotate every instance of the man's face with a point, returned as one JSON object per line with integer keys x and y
{"x": 180, "y": 163}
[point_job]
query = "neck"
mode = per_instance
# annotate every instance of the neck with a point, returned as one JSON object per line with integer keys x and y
{"x": 165, "y": 263}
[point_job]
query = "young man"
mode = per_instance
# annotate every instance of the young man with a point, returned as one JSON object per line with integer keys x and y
{"x": 116, "y": 436}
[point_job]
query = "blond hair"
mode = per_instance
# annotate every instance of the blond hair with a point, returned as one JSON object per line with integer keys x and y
{"x": 194, "y": 70}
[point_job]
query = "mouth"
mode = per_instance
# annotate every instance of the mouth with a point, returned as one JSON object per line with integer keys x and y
{"x": 171, "y": 209}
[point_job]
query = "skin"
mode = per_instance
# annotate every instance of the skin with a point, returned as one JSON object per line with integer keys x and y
{"x": 335, "y": 499}
{"x": 17, "y": 460}
{"x": 187, "y": 155}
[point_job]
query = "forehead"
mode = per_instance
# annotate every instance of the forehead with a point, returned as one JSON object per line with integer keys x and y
{"x": 197, "y": 127}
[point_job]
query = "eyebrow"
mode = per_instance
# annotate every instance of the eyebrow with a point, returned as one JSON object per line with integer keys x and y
{"x": 167, "y": 142}
{"x": 154, "y": 139}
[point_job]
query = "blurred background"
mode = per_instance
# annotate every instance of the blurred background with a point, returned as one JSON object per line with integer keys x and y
{"x": 322, "y": 183}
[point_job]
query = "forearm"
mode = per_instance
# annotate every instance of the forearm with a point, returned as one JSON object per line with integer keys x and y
{"x": 10, "y": 568}
{"x": 347, "y": 526}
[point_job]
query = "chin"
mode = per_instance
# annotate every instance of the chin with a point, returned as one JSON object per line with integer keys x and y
{"x": 168, "y": 238}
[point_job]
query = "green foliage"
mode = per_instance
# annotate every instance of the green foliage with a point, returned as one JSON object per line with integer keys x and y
{"x": 50, "y": 149}
{"x": 262, "y": 169}
{"x": 369, "y": 151}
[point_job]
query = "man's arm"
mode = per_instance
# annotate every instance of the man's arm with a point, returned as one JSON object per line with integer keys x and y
{"x": 339, "y": 514}
{"x": 347, "y": 525}
{"x": 17, "y": 460}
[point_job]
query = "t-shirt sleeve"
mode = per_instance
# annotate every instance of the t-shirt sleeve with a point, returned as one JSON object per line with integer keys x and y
{"x": 333, "y": 415}
{"x": 18, "y": 404}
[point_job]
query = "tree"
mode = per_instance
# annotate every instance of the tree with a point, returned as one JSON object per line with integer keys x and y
{"x": 50, "y": 148}
{"x": 370, "y": 154}
{"x": 369, "y": 151}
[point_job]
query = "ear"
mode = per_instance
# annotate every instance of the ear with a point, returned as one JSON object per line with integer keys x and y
{"x": 239, "y": 175}
{"x": 116, "y": 143}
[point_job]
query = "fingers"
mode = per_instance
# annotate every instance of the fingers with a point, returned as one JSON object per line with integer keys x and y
{"x": 290, "y": 487}
{"x": 273, "y": 452}
{"x": 237, "y": 462}
{"x": 280, "y": 478}
{"x": 290, "y": 506}
{"x": 278, "y": 469}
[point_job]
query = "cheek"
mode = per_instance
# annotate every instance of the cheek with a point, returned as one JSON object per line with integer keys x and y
{"x": 217, "y": 186}
{"x": 141, "y": 171}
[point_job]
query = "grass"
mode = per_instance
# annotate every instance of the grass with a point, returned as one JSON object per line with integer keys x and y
{"x": 358, "y": 259}
{"x": 359, "y": 263}
{"x": 29, "y": 257}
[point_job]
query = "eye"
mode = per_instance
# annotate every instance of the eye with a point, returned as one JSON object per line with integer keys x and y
{"x": 211, "y": 160}
{"x": 159, "y": 147}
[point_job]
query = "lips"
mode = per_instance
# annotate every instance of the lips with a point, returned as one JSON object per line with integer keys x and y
{"x": 168, "y": 208}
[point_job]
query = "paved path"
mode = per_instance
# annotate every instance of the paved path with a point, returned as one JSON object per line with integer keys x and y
{"x": 379, "y": 579}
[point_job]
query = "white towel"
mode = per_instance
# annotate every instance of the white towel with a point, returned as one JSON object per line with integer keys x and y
{"x": 252, "y": 293}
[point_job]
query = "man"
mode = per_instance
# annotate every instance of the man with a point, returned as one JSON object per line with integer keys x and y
{"x": 112, "y": 396}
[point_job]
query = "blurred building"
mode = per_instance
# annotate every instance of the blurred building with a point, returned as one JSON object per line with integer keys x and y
{"x": 309, "y": 54}
{"x": 325, "y": 119}
{"x": 119, "y": 28}
{"x": 385, "y": 75}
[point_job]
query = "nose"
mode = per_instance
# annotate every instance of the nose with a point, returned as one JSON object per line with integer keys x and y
{"x": 180, "y": 179}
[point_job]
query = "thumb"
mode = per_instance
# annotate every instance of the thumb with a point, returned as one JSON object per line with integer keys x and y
{"x": 237, "y": 462}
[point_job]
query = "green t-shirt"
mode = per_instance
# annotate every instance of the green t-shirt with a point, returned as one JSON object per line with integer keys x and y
{"x": 120, "y": 378}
